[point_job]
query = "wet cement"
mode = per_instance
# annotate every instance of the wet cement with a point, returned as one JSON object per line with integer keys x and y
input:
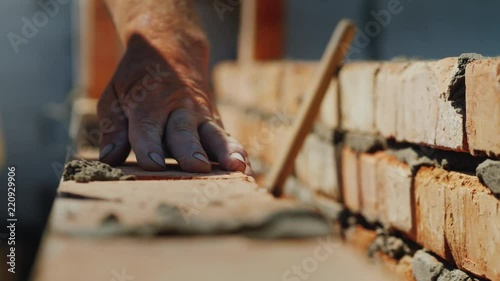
{"x": 489, "y": 174}
{"x": 87, "y": 171}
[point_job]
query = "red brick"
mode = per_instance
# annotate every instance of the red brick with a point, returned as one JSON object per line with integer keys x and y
{"x": 227, "y": 81}
{"x": 350, "y": 179}
{"x": 316, "y": 167}
{"x": 394, "y": 183}
{"x": 426, "y": 116}
{"x": 253, "y": 86}
{"x": 418, "y": 106}
{"x": 483, "y": 106}
{"x": 388, "y": 89}
{"x": 430, "y": 210}
{"x": 357, "y": 96}
{"x": 459, "y": 219}
{"x": 368, "y": 185}
{"x": 296, "y": 80}
{"x": 296, "y": 77}
{"x": 262, "y": 82}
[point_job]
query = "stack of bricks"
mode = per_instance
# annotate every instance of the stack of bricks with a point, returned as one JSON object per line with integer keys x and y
{"x": 450, "y": 106}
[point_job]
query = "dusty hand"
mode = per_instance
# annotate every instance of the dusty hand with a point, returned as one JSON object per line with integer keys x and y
{"x": 159, "y": 104}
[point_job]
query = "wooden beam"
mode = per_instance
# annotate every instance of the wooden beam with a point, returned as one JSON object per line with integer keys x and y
{"x": 261, "y": 30}
{"x": 332, "y": 57}
{"x": 100, "y": 47}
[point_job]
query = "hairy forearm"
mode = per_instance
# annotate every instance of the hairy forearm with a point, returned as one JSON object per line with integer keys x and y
{"x": 169, "y": 26}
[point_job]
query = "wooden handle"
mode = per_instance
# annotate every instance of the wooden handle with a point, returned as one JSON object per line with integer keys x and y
{"x": 335, "y": 52}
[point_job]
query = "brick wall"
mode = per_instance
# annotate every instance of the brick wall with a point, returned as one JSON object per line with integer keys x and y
{"x": 434, "y": 122}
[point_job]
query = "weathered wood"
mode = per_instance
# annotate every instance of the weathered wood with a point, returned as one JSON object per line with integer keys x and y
{"x": 334, "y": 54}
{"x": 100, "y": 47}
{"x": 261, "y": 30}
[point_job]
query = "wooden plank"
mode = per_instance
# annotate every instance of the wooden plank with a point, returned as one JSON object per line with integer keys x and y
{"x": 334, "y": 54}
{"x": 100, "y": 48}
{"x": 261, "y": 30}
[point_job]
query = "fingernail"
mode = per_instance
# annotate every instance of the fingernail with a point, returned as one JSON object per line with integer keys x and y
{"x": 238, "y": 156}
{"x": 201, "y": 157}
{"x": 157, "y": 159}
{"x": 106, "y": 150}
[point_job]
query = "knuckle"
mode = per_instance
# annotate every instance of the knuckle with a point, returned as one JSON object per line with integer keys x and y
{"x": 150, "y": 126}
{"x": 181, "y": 121}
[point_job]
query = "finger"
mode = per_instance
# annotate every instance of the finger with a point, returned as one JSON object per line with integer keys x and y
{"x": 183, "y": 142}
{"x": 145, "y": 135}
{"x": 113, "y": 125}
{"x": 229, "y": 153}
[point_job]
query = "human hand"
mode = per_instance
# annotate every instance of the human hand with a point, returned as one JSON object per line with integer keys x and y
{"x": 159, "y": 104}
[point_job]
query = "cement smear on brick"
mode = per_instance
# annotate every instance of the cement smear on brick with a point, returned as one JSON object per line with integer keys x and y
{"x": 456, "y": 89}
{"x": 177, "y": 220}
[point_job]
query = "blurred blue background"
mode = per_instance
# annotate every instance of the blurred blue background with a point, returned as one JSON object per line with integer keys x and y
{"x": 35, "y": 82}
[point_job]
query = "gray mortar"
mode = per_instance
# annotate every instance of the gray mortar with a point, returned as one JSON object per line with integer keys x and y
{"x": 390, "y": 245}
{"x": 417, "y": 157}
{"x": 426, "y": 267}
{"x": 364, "y": 143}
{"x": 456, "y": 89}
{"x": 453, "y": 275}
{"x": 489, "y": 174}
{"x": 87, "y": 171}
{"x": 413, "y": 158}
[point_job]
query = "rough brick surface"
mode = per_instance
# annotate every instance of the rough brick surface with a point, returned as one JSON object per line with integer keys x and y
{"x": 357, "y": 98}
{"x": 426, "y": 115}
{"x": 388, "y": 90}
{"x": 227, "y": 78}
{"x": 253, "y": 86}
{"x": 430, "y": 210}
{"x": 350, "y": 179}
{"x": 235, "y": 121}
{"x": 296, "y": 76}
{"x": 450, "y": 126}
{"x": 394, "y": 183}
{"x": 316, "y": 166}
{"x": 368, "y": 185}
{"x": 483, "y": 106}
{"x": 417, "y": 115}
{"x": 273, "y": 88}
{"x": 262, "y": 135}
{"x": 458, "y": 218}
{"x": 261, "y": 84}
